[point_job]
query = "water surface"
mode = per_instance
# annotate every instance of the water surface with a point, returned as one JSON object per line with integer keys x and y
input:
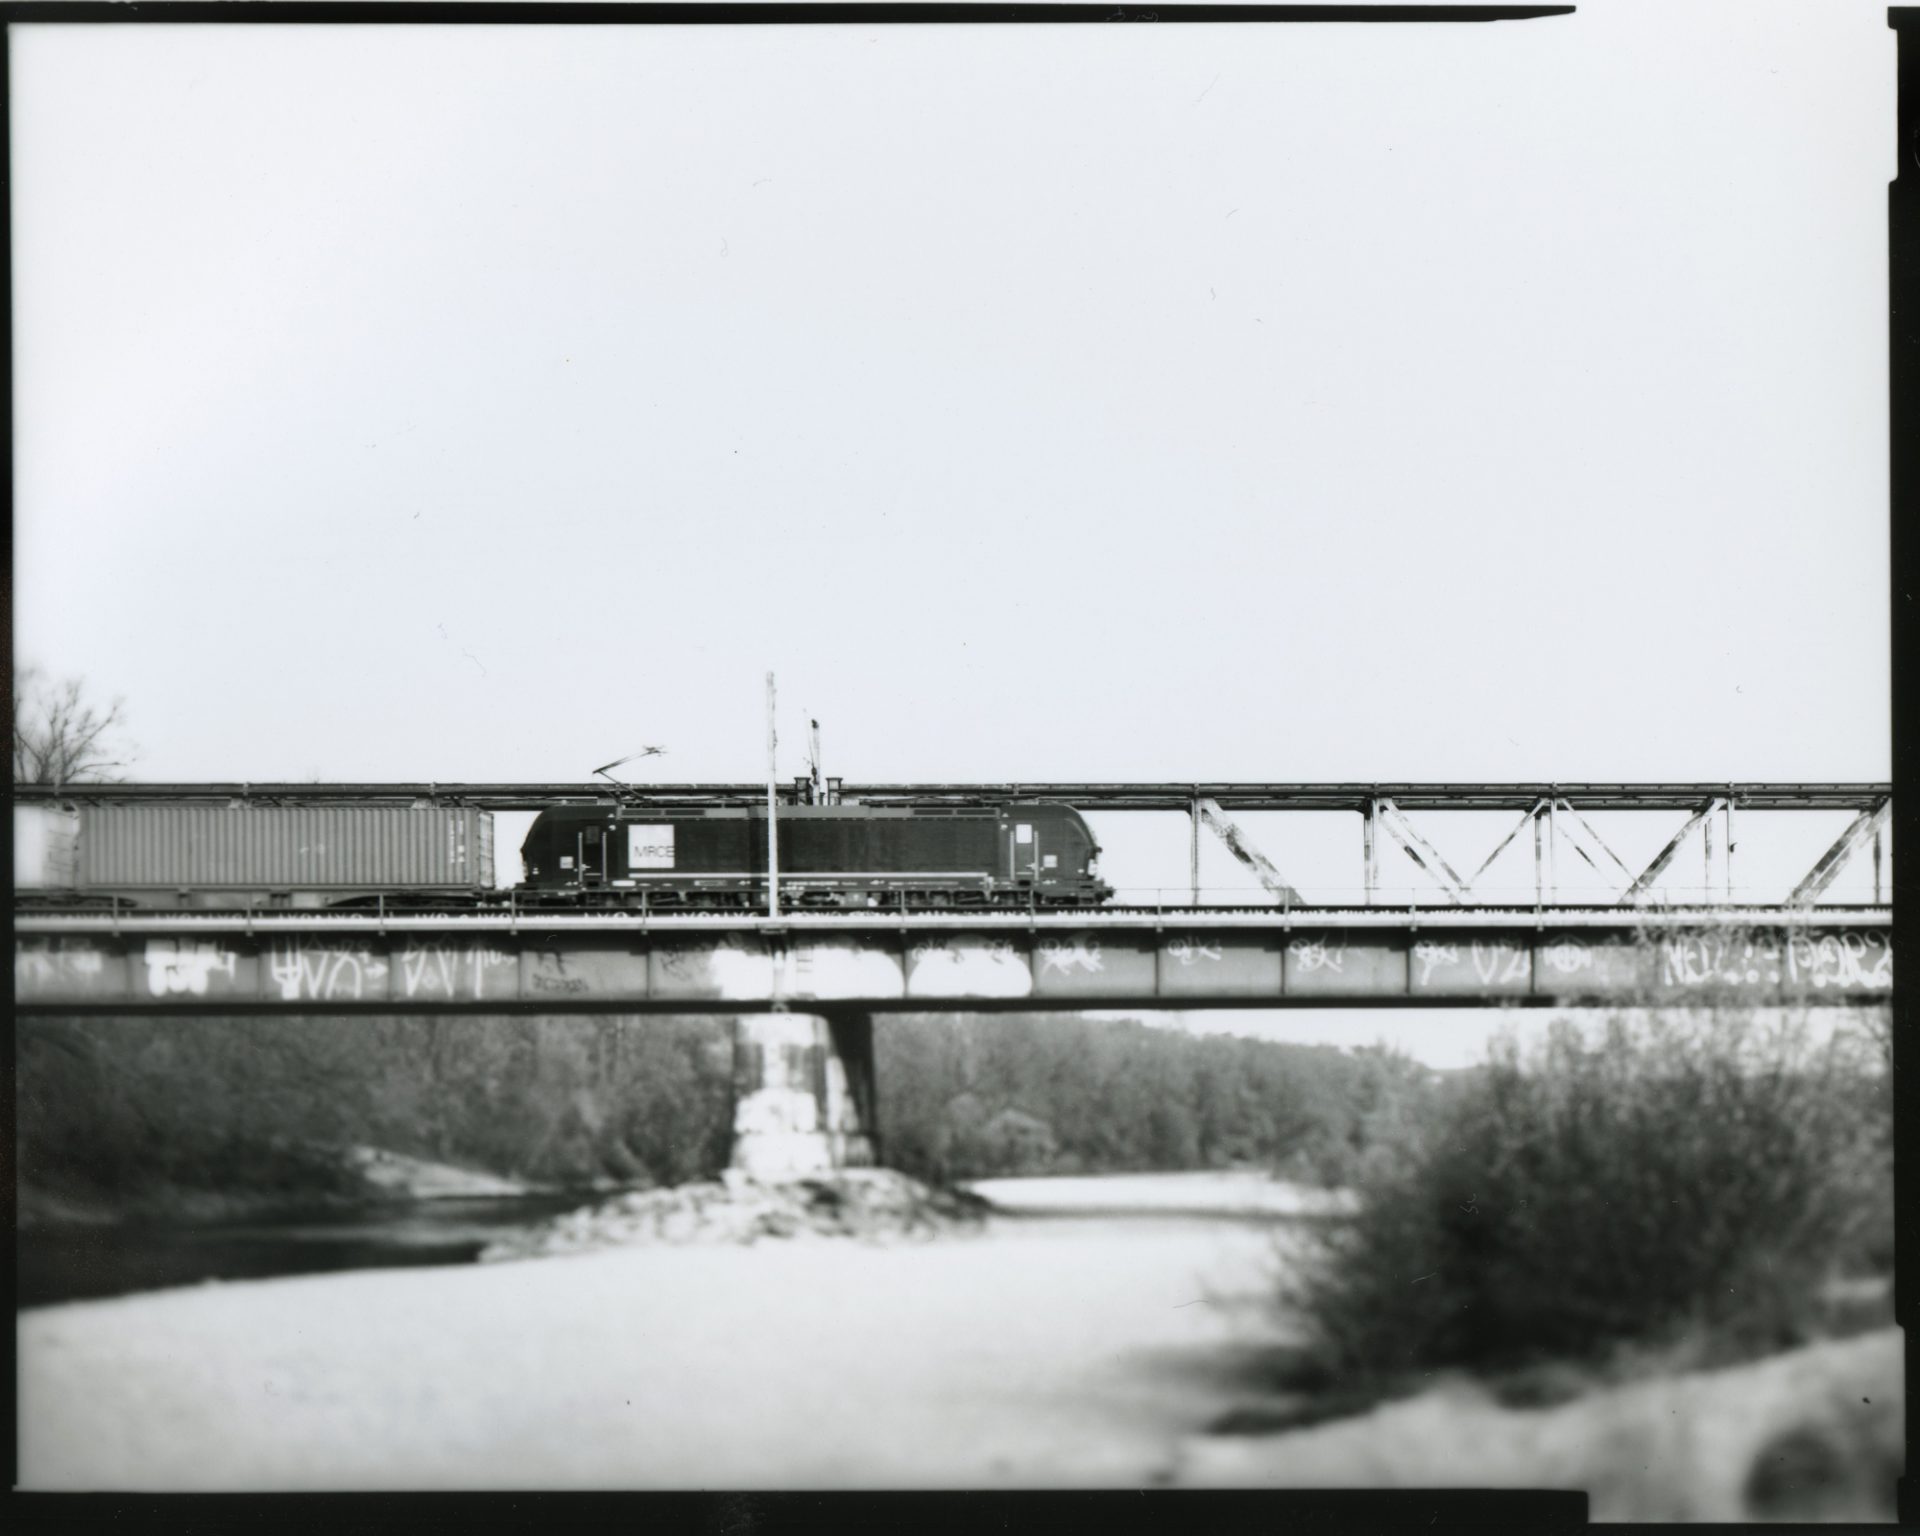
{"x": 59, "y": 1263}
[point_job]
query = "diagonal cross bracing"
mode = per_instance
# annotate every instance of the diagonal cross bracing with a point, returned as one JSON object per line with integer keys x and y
{"x": 1862, "y": 828}
{"x": 1665, "y": 856}
{"x": 1585, "y": 834}
{"x": 1422, "y": 852}
{"x": 1501, "y": 847}
{"x": 1238, "y": 845}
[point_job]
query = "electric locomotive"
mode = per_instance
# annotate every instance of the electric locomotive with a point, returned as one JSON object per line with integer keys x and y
{"x": 828, "y": 856}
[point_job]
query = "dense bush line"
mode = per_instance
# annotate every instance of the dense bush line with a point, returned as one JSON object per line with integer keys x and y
{"x": 972, "y": 1097}
{"x": 125, "y": 1113}
{"x": 1694, "y": 1178}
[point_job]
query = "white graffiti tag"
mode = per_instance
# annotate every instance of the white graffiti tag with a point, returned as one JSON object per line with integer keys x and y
{"x": 435, "y": 967}
{"x": 1703, "y": 959}
{"x": 1499, "y": 962}
{"x": 1432, "y": 956}
{"x": 1083, "y": 954}
{"x": 1188, "y": 951}
{"x": 323, "y": 972}
{"x": 1317, "y": 955}
{"x": 1857, "y": 960}
{"x": 1568, "y": 956}
{"x": 184, "y": 965}
{"x": 39, "y": 965}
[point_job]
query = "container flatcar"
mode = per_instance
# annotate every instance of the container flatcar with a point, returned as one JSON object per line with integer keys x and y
{"x": 829, "y": 856}
{"x": 197, "y": 856}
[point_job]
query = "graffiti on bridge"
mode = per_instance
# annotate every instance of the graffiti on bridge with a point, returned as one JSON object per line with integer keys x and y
{"x": 1310, "y": 955}
{"x": 1856, "y": 960}
{"x": 1487, "y": 964}
{"x": 1568, "y": 957}
{"x": 187, "y": 966}
{"x": 450, "y": 968}
{"x": 325, "y": 971}
{"x": 1067, "y": 956}
{"x": 56, "y": 968}
{"x": 1851, "y": 961}
{"x": 1192, "y": 951}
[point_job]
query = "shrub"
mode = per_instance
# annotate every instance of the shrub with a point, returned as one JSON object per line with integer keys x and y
{"x": 1675, "y": 1175}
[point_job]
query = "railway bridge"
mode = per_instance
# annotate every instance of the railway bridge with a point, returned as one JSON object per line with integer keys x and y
{"x": 807, "y": 987}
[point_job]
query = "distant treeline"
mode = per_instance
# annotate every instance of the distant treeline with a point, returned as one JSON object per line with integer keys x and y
{"x": 134, "y": 1115}
{"x": 974, "y": 1096}
{"x": 161, "y": 1115}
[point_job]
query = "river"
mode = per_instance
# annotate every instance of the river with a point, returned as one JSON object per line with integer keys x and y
{"x": 1062, "y": 1349}
{"x": 89, "y": 1262}
{"x": 1087, "y": 1336}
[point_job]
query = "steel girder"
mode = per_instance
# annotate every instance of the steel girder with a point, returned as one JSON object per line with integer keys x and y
{"x": 1086, "y": 796}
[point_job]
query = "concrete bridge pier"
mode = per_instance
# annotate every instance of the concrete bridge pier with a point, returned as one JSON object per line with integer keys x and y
{"x": 803, "y": 1093}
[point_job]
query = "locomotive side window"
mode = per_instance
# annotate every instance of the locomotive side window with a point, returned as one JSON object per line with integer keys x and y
{"x": 566, "y": 861}
{"x": 1023, "y": 833}
{"x": 1050, "y": 861}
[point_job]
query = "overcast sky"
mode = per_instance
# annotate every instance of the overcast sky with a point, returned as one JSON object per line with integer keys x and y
{"x": 1284, "y": 402}
{"x": 1134, "y": 402}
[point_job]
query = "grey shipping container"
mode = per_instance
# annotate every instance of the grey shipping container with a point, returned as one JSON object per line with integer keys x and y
{"x": 284, "y": 848}
{"x": 46, "y": 847}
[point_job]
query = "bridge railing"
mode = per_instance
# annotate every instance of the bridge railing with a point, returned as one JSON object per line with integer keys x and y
{"x": 1426, "y": 896}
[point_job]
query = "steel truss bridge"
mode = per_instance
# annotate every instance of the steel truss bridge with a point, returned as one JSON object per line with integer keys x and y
{"x": 1552, "y": 817}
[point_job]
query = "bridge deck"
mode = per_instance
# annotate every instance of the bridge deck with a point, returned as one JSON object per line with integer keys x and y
{"x": 307, "y": 962}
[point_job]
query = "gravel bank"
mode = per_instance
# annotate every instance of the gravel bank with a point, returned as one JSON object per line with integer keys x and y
{"x": 875, "y": 1204}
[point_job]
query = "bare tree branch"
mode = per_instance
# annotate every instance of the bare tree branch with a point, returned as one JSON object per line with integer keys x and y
{"x": 59, "y": 737}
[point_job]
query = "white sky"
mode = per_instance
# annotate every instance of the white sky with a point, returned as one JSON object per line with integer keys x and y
{"x": 1191, "y": 402}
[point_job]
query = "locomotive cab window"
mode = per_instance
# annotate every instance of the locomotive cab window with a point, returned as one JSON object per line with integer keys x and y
{"x": 1049, "y": 861}
{"x": 1023, "y": 833}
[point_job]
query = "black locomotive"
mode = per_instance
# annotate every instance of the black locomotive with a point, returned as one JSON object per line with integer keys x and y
{"x": 1031, "y": 854}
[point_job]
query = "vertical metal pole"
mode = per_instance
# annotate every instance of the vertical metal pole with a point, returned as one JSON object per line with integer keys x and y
{"x": 1193, "y": 853}
{"x": 1706, "y": 837}
{"x": 1539, "y": 866}
{"x": 1876, "y": 869}
{"x": 819, "y": 797}
{"x": 773, "y": 836}
{"x": 1729, "y": 850}
{"x": 1366, "y": 838}
{"x": 1553, "y": 841}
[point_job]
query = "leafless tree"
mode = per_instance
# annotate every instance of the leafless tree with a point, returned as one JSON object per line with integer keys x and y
{"x": 60, "y": 736}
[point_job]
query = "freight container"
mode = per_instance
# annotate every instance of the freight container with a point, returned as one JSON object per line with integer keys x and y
{"x": 46, "y": 847}
{"x": 291, "y": 855}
